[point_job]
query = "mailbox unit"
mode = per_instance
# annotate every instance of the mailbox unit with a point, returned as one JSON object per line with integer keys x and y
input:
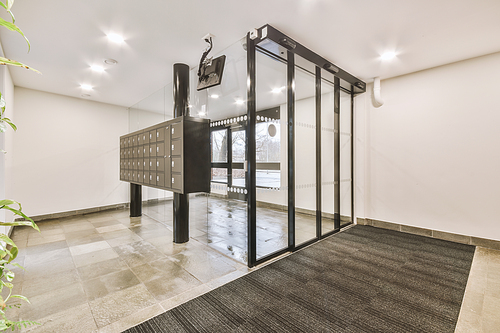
{"x": 173, "y": 155}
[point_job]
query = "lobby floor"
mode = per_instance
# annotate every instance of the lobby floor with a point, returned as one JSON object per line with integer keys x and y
{"x": 106, "y": 272}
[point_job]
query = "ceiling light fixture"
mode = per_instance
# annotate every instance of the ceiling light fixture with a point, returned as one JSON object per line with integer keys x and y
{"x": 214, "y": 96}
{"x": 388, "y": 55}
{"x": 240, "y": 102}
{"x": 110, "y": 61}
{"x": 97, "y": 68}
{"x": 86, "y": 86}
{"x": 115, "y": 38}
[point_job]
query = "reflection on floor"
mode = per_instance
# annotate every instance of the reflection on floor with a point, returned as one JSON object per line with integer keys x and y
{"x": 108, "y": 272}
{"x": 222, "y": 225}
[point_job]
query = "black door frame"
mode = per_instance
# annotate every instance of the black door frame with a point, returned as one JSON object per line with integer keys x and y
{"x": 351, "y": 85}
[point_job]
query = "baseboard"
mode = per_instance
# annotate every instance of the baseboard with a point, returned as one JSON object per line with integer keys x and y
{"x": 448, "y": 236}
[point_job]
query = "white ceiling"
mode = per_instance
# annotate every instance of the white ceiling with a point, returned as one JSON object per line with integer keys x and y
{"x": 67, "y": 36}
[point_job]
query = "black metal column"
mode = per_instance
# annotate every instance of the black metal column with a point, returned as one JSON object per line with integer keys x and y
{"x": 181, "y": 104}
{"x": 135, "y": 200}
{"x": 318, "y": 153}
{"x": 336, "y": 158}
{"x": 290, "y": 104}
{"x": 251, "y": 154}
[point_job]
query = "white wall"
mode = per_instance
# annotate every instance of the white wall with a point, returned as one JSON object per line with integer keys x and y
{"x": 65, "y": 154}
{"x": 7, "y": 89}
{"x": 429, "y": 157}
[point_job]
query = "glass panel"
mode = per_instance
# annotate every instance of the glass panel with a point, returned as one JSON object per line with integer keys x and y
{"x": 327, "y": 152}
{"x": 219, "y": 146}
{"x": 219, "y": 175}
{"x": 239, "y": 178}
{"x": 272, "y": 192}
{"x": 305, "y": 154}
{"x": 226, "y": 218}
{"x": 239, "y": 146}
{"x": 345, "y": 159}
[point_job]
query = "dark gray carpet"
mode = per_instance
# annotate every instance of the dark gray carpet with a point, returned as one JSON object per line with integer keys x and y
{"x": 361, "y": 280}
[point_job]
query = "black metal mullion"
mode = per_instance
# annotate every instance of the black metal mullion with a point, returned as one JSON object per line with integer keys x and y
{"x": 290, "y": 93}
{"x": 336, "y": 159}
{"x": 318, "y": 153}
{"x": 251, "y": 154}
{"x": 352, "y": 155}
{"x": 229, "y": 146}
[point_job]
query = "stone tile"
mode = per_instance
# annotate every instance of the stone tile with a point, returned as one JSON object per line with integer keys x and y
{"x": 46, "y": 247}
{"x": 175, "y": 281}
{"x": 491, "y": 307}
{"x": 91, "y": 238}
{"x": 77, "y": 319}
{"x": 106, "y": 284}
{"x": 490, "y": 325}
{"x": 31, "y": 259}
{"x": 132, "y": 320}
{"x": 468, "y": 322}
{"x": 492, "y": 288}
{"x": 94, "y": 257}
{"x": 184, "y": 297}
{"x": 106, "y": 223}
{"x": 88, "y": 248}
{"x": 110, "y": 228}
{"x": 206, "y": 270}
{"x": 473, "y": 302}
{"x": 46, "y": 269}
{"x": 385, "y": 225}
{"x": 216, "y": 283}
{"x": 139, "y": 253}
{"x": 451, "y": 237}
{"x": 45, "y": 240}
{"x": 36, "y": 287}
{"x": 60, "y": 300}
{"x": 114, "y": 306}
{"x": 146, "y": 272}
{"x": 131, "y": 238}
{"x": 101, "y": 268}
{"x": 82, "y": 225}
{"x": 416, "y": 231}
{"x": 46, "y": 233}
{"x": 117, "y": 234}
{"x": 488, "y": 243}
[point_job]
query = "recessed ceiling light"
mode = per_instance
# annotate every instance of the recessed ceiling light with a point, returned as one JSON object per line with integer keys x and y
{"x": 388, "y": 55}
{"x": 110, "y": 61}
{"x": 86, "y": 86}
{"x": 214, "y": 96}
{"x": 115, "y": 38}
{"x": 240, "y": 101}
{"x": 97, "y": 68}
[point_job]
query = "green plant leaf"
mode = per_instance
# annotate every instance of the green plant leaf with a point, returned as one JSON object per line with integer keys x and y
{"x": 5, "y": 61}
{"x": 10, "y": 276}
{"x": 21, "y": 297}
{"x": 3, "y": 325}
{"x": 8, "y": 121}
{"x": 7, "y": 8}
{"x": 4, "y": 204}
{"x": 13, "y": 27}
{"x": 17, "y": 265}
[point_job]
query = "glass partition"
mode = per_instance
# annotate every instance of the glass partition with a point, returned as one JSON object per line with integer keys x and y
{"x": 345, "y": 159}
{"x": 305, "y": 150}
{"x": 271, "y": 155}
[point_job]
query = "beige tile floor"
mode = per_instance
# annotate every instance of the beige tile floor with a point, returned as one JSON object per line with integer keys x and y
{"x": 480, "y": 310}
{"x": 106, "y": 272}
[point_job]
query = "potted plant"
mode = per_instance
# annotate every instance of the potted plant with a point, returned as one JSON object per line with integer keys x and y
{"x": 8, "y": 249}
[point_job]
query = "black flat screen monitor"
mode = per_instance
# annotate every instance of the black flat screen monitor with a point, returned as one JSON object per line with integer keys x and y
{"x": 211, "y": 75}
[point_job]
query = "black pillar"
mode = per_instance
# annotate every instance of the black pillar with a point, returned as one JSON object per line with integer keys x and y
{"x": 181, "y": 104}
{"x": 135, "y": 200}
